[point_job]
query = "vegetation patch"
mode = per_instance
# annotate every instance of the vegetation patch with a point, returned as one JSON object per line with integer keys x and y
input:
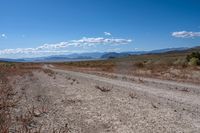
{"x": 193, "y": 58}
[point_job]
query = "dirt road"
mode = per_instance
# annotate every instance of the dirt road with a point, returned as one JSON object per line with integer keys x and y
{"x": 94, "y": 104}
{"x": 182, "y": 97}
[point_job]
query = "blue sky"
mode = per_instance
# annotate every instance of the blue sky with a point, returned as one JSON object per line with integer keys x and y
{"x": 30, "y": 28}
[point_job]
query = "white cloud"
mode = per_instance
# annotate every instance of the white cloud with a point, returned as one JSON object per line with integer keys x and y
{"x": 99, "y": 40}
{"x": 136, "y": 48}
{"x": 186, "y": 34}
{"x": 62, "y": 46}
{"x": 3, "y": 35}
{"x": 107, "y": 34}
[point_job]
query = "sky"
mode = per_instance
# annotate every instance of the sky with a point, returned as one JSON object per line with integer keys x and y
{"x": 33, "y": 28}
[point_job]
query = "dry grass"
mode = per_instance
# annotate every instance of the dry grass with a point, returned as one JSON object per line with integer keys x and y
{"x": 170, "y": 66}
{"x": 133, "y": 95}
{"x": 10, "y": 99}
{"x": 103, "y": 89}
{"x": 49, "y": 72}
{"x": 7, "y": 102}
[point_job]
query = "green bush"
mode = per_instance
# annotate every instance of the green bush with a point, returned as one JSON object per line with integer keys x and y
{"x": 193, "y": 55}
{"x": 194, "y": 61}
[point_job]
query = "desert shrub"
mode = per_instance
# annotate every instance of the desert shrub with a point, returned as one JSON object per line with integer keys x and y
{"x": 184, "y": 65}
{"x": 139, "y": 64}
{"x": 103, "y": 89}
{"x": 8, "y": 65}
{"x": 193, "y": 55}
{"x": 181, "y": 62}
{"x": 149, "y": 62}
{"x": 194, "y": 61}
{"x": 49, "y": 72}
{"x": 133, "y": 95}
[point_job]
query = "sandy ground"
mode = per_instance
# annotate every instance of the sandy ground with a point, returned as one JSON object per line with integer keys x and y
{"x": 87, "y": 103}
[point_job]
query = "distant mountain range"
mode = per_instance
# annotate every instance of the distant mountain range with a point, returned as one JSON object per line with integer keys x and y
{"x": 97, "y": 55}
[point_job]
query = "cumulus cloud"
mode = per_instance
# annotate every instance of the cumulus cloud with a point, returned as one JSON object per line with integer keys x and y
{"x": 99, "y": 40}
{"x": 62, "y": 46}
{"x": 3, "y": 35}
{"x": 107, "y": 34}
{"x": 186, "y": 34}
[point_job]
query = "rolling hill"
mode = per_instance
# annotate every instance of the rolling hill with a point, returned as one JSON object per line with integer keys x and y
{"x": 102, "y": 55}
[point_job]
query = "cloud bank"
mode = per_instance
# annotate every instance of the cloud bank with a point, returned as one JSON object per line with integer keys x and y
{"x": 186, "y": 34}
{"x": 67, "y": 46}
